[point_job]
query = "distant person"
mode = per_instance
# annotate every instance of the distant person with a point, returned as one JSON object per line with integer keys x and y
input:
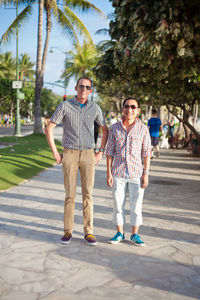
{"x": 128, "y": 160}
{"x": 171, "y": 125}
{"x": 77, "y": 116}
{"x": 165, "y": 128}
{"x": 155, "y": 126}
{"x": 5, "y": 119}
{"x": 112, "y": 120}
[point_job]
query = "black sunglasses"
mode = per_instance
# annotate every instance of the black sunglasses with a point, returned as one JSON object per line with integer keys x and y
{"x": 131, "y": 106}
{"x": 81, "y": 86}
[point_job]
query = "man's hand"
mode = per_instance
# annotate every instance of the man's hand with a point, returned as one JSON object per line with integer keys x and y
{"x": 109, "y": 180}
{"x": 98, "y": 157}
{"x": 58, "y": 157}
{"x": 144, "y": 181}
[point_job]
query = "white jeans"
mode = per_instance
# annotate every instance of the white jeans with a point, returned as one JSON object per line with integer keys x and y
{"x": 136, "y": 194}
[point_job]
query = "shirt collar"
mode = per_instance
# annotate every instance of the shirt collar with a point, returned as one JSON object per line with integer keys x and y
{"x": 137, "y": 120}
{"x": 76, "y": 102}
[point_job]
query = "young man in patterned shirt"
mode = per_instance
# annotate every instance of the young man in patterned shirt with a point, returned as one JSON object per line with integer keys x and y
{"x": 77, "y": 116}
{"x": 128, "y": 161}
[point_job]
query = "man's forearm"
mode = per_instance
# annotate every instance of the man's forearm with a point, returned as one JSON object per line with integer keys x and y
{"x": 147, "y": 163}
{"x": 104, "y": 137}
{"x": 50, "y": 137}
{"x": 109, "y": 164}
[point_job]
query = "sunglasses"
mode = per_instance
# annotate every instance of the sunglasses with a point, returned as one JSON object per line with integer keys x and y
{"x": 88, "y": 88}
{"x": 131, "y": 106}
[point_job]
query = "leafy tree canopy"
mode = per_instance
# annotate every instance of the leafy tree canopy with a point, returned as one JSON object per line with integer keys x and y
{"x": 156, "y": 52}
{"x": 158, "y": 35}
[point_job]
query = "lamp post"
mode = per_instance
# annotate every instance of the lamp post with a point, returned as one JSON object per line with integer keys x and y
{"x": 59, "y": 81}
{"x": 17, "y": 116}
{"x": 31, "y": 111}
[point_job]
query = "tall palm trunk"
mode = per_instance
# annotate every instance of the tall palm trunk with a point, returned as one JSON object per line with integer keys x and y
{"x": 46, "y": 45}
{"x": 39, "y": 83}
{"x": 40, "y": 74}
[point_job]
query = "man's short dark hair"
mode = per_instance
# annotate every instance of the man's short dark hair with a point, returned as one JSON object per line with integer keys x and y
{"x": 84, "y": 77}
{"x": 131, "y": 98}
{"x": 154, "y": 111}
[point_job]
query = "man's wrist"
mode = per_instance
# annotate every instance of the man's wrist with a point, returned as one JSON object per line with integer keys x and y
{"x": 102, "y": 150}
{"x": 146, "y": 172}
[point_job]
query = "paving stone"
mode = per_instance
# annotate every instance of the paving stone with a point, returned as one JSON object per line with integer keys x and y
{"x": 35, "y": 266}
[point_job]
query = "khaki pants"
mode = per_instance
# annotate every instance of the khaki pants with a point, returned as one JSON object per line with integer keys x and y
{"x": 85, "y": 162}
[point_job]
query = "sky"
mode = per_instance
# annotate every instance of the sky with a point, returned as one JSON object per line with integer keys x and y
{"x": 58, "y": 40}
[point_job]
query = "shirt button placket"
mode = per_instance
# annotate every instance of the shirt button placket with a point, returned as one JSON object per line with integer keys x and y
{"x": 81, "y": 129}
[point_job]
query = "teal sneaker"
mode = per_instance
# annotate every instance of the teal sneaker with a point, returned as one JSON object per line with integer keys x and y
{"x": 117, "y": 238}
{"x": 135, "y": 239}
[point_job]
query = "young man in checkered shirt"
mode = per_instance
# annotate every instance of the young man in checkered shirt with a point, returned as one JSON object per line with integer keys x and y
{"x": 128, "y": 161}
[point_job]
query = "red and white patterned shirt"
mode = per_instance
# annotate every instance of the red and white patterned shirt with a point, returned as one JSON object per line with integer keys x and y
{"x": 128, "y": 149}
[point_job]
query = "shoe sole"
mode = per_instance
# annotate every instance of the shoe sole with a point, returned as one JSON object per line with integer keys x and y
{"x": 90, "y": 244}
{"x": 115, "y": 242}
{"x": 138, "y": 245}
{"x": 65, "y": 243}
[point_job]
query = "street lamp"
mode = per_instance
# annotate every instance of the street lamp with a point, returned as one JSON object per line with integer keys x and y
{"x": 51, "y": 50}
{"x": 60, "y": 81}
{"x": 17, "y": 116}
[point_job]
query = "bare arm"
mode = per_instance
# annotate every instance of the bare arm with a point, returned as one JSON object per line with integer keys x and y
{"x": 145, "y": 176}
{"x": 104, "y": 139}
{"x": 50, "y": 139}
{"x": 109, "y": 174}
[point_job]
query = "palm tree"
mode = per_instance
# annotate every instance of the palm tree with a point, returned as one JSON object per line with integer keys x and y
{"x": 105, "y": 44}
{"x": 26, "y": 71}
{"x": 80, "y": 61}
{"x": 71, "y": 24}
{"x": 7, "y": 66}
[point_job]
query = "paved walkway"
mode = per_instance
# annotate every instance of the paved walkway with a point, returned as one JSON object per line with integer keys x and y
{"x": 25, "y": 129}
{"x": 35, "y": 266}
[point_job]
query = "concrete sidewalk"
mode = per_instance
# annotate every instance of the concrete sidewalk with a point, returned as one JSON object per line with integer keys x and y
{"x": 25, "y": 130}
{"x": 34, "y": 265}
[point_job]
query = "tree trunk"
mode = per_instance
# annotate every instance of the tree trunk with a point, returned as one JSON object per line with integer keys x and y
{"x": 185, "y": 120}
{"x": 195, "y": 113}
{"x": 187, "y": 132}
{"x": 39, "y": 83}
{"x": 150, "y": 112}
{"x": 162, "y": 116}
{"x": 46, "y": 45}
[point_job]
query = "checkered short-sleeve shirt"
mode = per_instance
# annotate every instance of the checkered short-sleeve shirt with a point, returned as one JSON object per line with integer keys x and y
{"x": 128, "y": 149}
{"x": 78, "y": 123}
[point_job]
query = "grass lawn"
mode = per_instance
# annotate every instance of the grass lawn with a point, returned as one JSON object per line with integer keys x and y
{"x": 24, "y": 159}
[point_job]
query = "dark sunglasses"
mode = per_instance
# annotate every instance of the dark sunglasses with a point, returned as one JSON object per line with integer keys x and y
{"x": 81, "y": 86}
{"x": 131, "y": 106}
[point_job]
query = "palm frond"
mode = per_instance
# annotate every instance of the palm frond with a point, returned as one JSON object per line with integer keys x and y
{"x": 77, "y": 23}
{"x": 84, "y": 6}
{"x": 67, "y": 26}
{"x": 103, "y": 31}
{"x": 13, "y": 2}
{"x": 105, "y": 45}
{"x": 17, "y": 22}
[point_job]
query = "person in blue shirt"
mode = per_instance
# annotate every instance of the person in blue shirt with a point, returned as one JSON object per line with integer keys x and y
{"x": 155, "y": 126}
